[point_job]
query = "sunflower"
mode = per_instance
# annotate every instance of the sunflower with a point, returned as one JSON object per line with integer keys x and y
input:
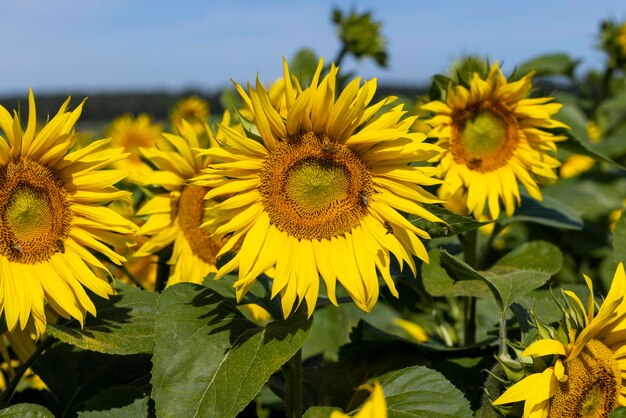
{"x": 52, "y": 214}
{"x": 130, "y": 133}
{"x": 192, "y": 109}
{"x": 320, "y": 192}
{"x": 585, "y": 376}
{"x": 621, "y": 39}
{"x": 176, "y": 215}
{"x": 374, "y": 407}
{"x": 494, "y": 136}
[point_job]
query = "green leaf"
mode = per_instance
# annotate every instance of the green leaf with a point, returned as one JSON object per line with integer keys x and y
{"x": 328, "y": 333}
{"x": 454, "y": 223}
{"x": 136, "y": 408}
{"x": 124, "y": 324}
{"x": 548, "y": 64}
{"x": 303, "y": 65}
{"x": 437, "y": 282}
{"x": 506, "y": 283}
{"x": 578, "y": 141}
{"x": 589, "y": 198}
{"x": 422, "y": 392}
{"x": 512, "y": 283}
{"x": 534, "y": 255}
{"x": 549, "y": 212}
{"x": 118, "y": 401}
{"x": 26, "y": 410}
{"x": 210, "y": 358}
{"x": 619, "y": 412}
{"x": 320, "y": 412}
{"x": 619, "y": 241}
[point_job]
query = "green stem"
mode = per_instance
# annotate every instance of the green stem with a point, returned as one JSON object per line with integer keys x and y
{"x": 340, "y": 56}
{"x": 606, "y": 83}
{"x": 482, "y": 258}
{"x": 470, "y": 244}
{"x": 469, "y": 320}
{"x": 502, "y": 350}
{"x": 6, "y": 397}
{"x": 293, "y": 385}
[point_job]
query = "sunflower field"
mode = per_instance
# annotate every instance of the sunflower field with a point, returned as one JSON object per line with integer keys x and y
{"x": 321, "y": 249}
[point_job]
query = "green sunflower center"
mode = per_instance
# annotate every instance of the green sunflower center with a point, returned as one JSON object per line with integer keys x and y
{"x": 314, "y": 188}
{"x": 313, "y": 185}
{"x": 28, "y": 212}
{"x": 483, "y": 139}
{"x": 483, "y": 135}
{"x": 190, "y": 213}
{"x": 593, "y": 385}
{"x": 34, "y": 212}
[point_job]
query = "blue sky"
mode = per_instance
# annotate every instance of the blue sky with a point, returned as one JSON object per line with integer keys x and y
{"x": 93, "y": 45}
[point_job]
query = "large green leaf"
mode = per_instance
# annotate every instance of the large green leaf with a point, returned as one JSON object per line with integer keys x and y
{"x": 26, "y": 410}
{"x": 209, "y": 360}
{"x": 438, "y": 282}
{"x": 507, "y": 283}
{"x": 548, "y": 65}
{"x": 320, "y": 412}
{"x": 620, "y": 412}
{"x": 589, "y": 198}
{"x": 454, "y": 223}
{"x": 619, "y": 241}
{"x": 534, "y": 255}
{"x": 124, "y": 324}
{"x": 422, "y": 392}
{"x": 549, "y": 212}
{"x": 118, "y": 401}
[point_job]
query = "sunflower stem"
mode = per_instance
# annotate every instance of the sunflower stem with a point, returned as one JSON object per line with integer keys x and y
{"x": 470, "y": 244}
{"x": 293, "y": 385}
{"x": 7, "y": 395}
{"x": 340, "y": 56}
{"x": 606, "y": 83}
{"x": 502, "y": 350}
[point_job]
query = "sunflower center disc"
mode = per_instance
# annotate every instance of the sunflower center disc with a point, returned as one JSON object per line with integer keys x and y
{"x": 35, "y": 214}
{"x": 190, "y": 217}
{"x": 314, "y": 188}
{"x": 593, "y": 385}
{"x": 483, "y": 135}
{"x": 484, "y": 140}
{"x": 313, "y": 185}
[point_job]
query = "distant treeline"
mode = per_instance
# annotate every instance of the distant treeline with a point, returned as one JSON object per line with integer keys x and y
{"x": 107, "y": 105}
{"x": 104, "y": 106}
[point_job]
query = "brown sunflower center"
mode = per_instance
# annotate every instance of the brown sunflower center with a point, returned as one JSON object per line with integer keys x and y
{"x": 314, "y": 188}
{"x": 593, "y": 385}
{"x": 190, "y": 212}
{"x": 483, "y": 139}
{"x": 35, "y": 214}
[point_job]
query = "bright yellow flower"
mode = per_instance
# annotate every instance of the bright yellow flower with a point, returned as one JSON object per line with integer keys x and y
{"x": 320, "y": 192}
{"x": 194, "y": 110}
{"x": 585, "y": 379}
{"x": 51, "y": 201}
{"x": 131, "y": 133}
{"x": 494, "y": 137}
{"x": 374, "y": 407}
{"x": 621, "y": 39}
{"x": 576, "y": 164}
{"x": 258, "y": 314}
{"x": 176, "y": 215}
{"x": 415, "y": 331}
